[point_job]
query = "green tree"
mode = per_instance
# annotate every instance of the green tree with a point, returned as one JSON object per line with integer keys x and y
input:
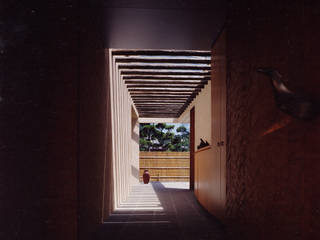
{"x": 181, "y": 140}
{"x": 160, "y": 137}
{"x": 147, "y": 135}
{"x": 164, "y": 136}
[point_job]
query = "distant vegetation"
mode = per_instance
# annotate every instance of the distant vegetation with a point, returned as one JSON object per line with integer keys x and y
{"x": 163, "y": 137}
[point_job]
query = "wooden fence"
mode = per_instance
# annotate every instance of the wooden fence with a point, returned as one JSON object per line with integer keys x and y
{"x": 166, "y": 166}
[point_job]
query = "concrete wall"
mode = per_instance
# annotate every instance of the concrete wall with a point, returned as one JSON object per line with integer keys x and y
{"x": 92, "y": 129}
{"x": 38, "y": 123}
{"x": 125, "y": 137}
{"x": 273, "y": 159}
{"x": 47, "y": 62}
{"x": 135, "y": 146}
{"x": 202, "y": 104}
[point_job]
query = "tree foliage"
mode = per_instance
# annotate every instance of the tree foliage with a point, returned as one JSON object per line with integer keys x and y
{"x": 160, "y": 137}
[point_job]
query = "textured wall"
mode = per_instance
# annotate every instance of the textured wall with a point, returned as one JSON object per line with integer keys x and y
{"x": 272, "y": 159}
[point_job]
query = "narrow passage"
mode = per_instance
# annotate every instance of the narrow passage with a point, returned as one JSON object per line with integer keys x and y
{"x": 163, "y": 211}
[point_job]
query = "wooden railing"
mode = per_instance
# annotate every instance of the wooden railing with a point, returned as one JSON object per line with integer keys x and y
{"x": 166, "y": 166}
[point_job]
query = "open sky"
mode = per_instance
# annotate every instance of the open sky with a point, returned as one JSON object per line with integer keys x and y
{"x": 187, "y": 125}
{"x": 176, "y": 125}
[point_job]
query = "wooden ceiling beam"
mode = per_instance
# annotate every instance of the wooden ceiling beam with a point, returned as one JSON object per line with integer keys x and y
{"x": 141, "y": 86}
{"x": 166, "y": 82}
{"x": 158, "y": 112}
{"x": 162, "y": 92}
{"x": 153, "y": 73}
{"x": 150, "y": 100}
{"x": 159, "y": 99}
{"x": 161, "y": 102}
{"x": 157, "y": 109}
{"x": 163, "y": 60}
{"x": 164, "y": 112}
{"x": 162, "y": 67}
{"x": 167, "y": 111}
{"x": 200, "y": 78}
{"x": 166, "y": 89}
{"x": 158, "y": 115}
{"x": 162, "y": 95}
{"x": 173, "y": 110}
{"x": 161, "y": 53}
{"x": 164, "y": 101}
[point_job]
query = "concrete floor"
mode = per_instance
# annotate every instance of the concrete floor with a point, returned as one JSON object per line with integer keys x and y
{"x": 161, "y": 211}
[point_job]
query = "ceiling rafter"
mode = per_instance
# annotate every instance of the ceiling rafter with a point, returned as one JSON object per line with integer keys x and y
{"x": 147, "y": 82}
{"x": 169, "y": 87}
{"x": 167, "y": 73}
{"x": 162, "y": 83}
{"x": 167, "y": 77}
{"x": 161, "y": 60}
{"x": 160, "y": 53}
{"x": 163, "y": 67}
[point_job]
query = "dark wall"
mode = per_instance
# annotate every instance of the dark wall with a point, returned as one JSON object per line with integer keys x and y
{"x": 92, "y": 128}
{"x": 48, "y": 61}
{"x": 272, "y": 159}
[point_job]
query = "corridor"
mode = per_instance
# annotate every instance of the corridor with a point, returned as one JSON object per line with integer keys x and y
{"x": 78, "y": 77}
{"x": 158, "y": 210}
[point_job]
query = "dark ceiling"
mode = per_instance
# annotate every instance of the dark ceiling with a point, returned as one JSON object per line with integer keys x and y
{"x": 165, "y": 4}
{"x": 165, "y": 24}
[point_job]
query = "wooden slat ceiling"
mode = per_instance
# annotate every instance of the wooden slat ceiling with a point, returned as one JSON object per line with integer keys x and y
{"x": 162, "y": 83}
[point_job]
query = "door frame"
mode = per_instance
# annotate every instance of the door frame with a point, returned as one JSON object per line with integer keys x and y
{"x": 192, "y": 136}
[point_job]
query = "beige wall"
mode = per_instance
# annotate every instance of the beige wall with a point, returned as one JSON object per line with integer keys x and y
{"x": 202, "y": 104}
{"x": 210, "y": 124}
{"x": 135, "y": 147}
{"x": 125, "y": 132}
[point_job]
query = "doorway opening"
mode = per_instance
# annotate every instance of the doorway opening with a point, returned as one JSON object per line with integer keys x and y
{"x": 153, "y": 88}
{"x": 165, "y": 152}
